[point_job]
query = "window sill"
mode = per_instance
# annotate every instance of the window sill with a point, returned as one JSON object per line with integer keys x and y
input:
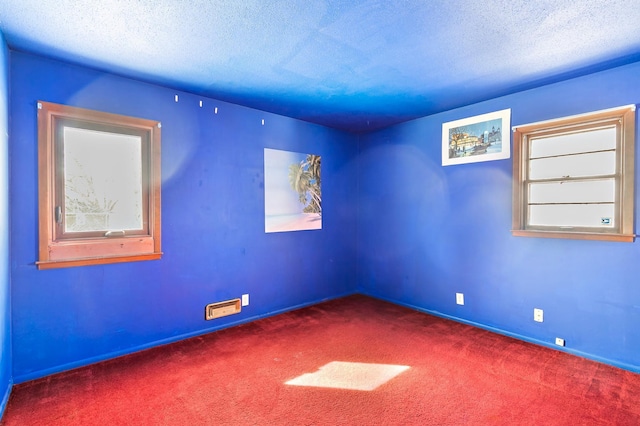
{"x": 622, "y": 238}
{"x": 68, "y": 263}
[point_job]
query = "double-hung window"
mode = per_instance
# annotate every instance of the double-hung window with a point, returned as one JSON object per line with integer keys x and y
{"x": 99, "y": 187}
{"x": 574, "y": 177}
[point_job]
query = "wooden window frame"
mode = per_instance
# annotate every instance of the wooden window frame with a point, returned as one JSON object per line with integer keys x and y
{"x": 624, "y": 120}
{"x": 58, "y": 249}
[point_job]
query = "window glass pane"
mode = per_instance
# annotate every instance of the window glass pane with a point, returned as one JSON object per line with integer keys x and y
{"x": 573, "y": 192}
{"x": 102, "y": 181}
{"x": 589, "y": 141}
{"x": 578, "y": 215}
{"x": 581, "y": 165}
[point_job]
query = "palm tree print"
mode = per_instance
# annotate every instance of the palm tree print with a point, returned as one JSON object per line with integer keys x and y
{"x": 304, "y": 178}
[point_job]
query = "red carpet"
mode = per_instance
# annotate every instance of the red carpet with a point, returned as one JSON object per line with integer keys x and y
{"x": 457, "y": 375}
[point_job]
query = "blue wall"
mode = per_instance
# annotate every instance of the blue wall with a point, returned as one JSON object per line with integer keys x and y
{"x": 397, "y": 225}
{"x": 428, "y": 231}
{"x": 5, "y": 311}
{"x": 212, "y": 224}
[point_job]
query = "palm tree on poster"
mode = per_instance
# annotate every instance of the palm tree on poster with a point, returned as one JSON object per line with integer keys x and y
{"x": 304, "y": 178}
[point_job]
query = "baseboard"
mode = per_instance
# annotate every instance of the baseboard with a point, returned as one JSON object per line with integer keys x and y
{"x": 5, "y": 398}
{"x": 111, "y": 355}
{"x": 597, "y": 358}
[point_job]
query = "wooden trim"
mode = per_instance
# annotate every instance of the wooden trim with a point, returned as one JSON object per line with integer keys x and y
{"x": 68, "y": 263}
{"x": 155, "y": 187}
{"x": 100, "y": 247}
{"x": 588, "y": 117}
{"x": 519, "y": 175}
{"x": 627, "y": 182}
{"x": 67, "y": 252}
{"x": 624, "y": 120}
{"x": 46, "y": 180}
{"x": 627, "y": 238}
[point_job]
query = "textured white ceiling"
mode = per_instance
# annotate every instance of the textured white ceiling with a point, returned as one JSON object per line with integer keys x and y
{"x": 356, "y": 65}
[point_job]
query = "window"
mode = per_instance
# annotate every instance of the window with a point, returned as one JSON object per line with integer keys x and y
{"x": 99, "y": 187}
{"x": 574, "y": 177}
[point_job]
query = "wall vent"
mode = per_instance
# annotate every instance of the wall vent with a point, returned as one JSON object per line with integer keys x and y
{"x": 222, "y": 309}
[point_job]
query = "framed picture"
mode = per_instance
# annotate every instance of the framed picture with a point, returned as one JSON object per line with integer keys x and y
{"x": 484, "y": 137}
{"x": 292, "y": 191}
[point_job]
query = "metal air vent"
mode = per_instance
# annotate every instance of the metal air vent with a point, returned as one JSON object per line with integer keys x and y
{"x": 222, "y": 309}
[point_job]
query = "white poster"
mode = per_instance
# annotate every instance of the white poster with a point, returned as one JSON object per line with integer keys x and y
{"x": 292, "y": 194}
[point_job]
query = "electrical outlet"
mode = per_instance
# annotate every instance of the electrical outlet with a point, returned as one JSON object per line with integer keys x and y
{"x": 460, "y": 298}
{"x": 559, "y": 341}
{"x": 538, "y": 315}
{"x": 245, "y": 300}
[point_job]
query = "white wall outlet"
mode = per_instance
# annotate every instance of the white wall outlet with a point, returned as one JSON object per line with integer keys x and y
{"x": 245, "y": 300}
{"x": 559, "y": 341}
{"x": 460, "y": 298}
{"x": 538, "y": 315}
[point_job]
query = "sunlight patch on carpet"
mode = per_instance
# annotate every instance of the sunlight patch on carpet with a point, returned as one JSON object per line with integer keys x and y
{"x": 349, "y": 375}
